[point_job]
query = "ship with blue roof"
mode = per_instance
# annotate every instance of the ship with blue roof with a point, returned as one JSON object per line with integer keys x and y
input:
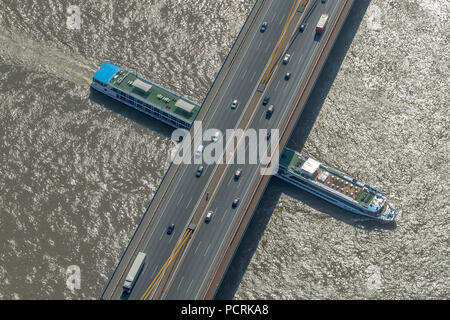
{"x": 145, "y": 96}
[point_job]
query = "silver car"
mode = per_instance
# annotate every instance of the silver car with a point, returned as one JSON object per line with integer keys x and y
{"x": 199, "y": 171}
{"x": 237, "y": 174}
{"x": 216, "y": 136}
{"x": 208, "y": 217}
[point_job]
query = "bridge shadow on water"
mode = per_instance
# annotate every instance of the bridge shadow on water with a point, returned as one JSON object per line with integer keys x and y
{"x": 131, "y": 114}
{"x": 276, "y": 187}
{"x": 261, "y": 218}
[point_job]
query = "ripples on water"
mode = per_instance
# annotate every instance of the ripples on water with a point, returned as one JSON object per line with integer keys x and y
{"x": 77, "y": 170}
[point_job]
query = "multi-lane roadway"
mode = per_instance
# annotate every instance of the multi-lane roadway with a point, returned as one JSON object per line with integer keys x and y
{"x": 181, "y": 199}
{"x": 184, "y": 192}
{"x": 210, "y": 238}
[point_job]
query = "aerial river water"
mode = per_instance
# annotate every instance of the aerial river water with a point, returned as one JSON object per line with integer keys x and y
{"x": 78, "y": 170}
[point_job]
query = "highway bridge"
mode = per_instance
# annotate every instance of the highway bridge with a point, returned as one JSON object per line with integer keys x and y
{"x": 190, "y": 262}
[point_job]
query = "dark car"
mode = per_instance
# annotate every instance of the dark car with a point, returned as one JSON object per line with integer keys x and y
{"x": 302, "y": 27}
{"x": 266, "y": 100}
{"x": 263, "y": 27}
{"x": 323, "y": 1}
{"x": 269, "y": 134}
{"x": 235, "y": 202}
{"x": 287, "y": 76}
{"x": 269, "y": 111}
{"x": 170, "y": 229}
{"x": 199, "y": 171}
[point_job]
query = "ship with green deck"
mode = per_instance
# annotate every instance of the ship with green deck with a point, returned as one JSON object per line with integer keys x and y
{"x": 332, "y": 186}
{"x": 145, "y": 96}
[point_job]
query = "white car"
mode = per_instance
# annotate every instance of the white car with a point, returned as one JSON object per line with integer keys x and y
{"x": 208, "y": 217}
{"x": 234, "y": 104}
{"x": 199, "y": 151}
{"x": 216, "y": 136}
{"x": 286, "y": 58}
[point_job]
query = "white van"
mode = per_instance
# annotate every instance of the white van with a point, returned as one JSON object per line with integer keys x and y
{"x": 208, "y": 217}
{"x": 199, "y": 151}
{"x": 269, "y": 111}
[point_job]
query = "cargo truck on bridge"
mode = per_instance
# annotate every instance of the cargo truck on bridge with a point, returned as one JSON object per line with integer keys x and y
{"x": 322, "y": 23}
{"x": 134, "y": 272}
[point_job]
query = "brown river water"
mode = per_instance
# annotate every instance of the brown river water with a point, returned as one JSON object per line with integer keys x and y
{"x": 78, "y": 170}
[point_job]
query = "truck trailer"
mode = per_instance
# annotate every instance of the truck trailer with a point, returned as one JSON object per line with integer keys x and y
{"x": 134, "y": 272}
{"x": 322, "y": 23}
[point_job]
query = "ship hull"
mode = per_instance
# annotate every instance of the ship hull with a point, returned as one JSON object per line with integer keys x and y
{"x": 108, "y": 92}
{"x": 326, "y": 195}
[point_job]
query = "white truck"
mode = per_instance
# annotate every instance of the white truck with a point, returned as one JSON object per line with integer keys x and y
{"x": 134, "y": 272}
{"x": 322, "y": 23}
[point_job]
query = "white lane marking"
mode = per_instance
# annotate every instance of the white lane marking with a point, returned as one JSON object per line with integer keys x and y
{"x": 189, "y": 202}
{"x": 243, "y": 74}
{"x": 260, "y": 42}
{"x": 154, "y": 270}
{"x": 276, "y": 87}
{"x": 253, "y": 77}
{"x": 239, "y": 183}
{"x": 262, "y": 116}
{"x": 198, "y": 245}
{"x": 286, "y": 87}
{"x": 309, "y": 61}
{"x": 189, "y": 286}
{"x": 281, "y": 21}
{"x": 207, "y": 249}
{"x": 223, "y": 216}
{"x": 179, "y": 200}
{"x": 179, "y": 284}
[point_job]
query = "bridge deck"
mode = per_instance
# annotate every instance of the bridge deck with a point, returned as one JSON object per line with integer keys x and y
{"x": 202, "y": 257}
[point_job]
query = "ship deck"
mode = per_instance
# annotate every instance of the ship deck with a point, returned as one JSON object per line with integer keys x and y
{"x": 290, "y": 159}
{"x": 154, "y": 96}
{"x": 293, "y": 162}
